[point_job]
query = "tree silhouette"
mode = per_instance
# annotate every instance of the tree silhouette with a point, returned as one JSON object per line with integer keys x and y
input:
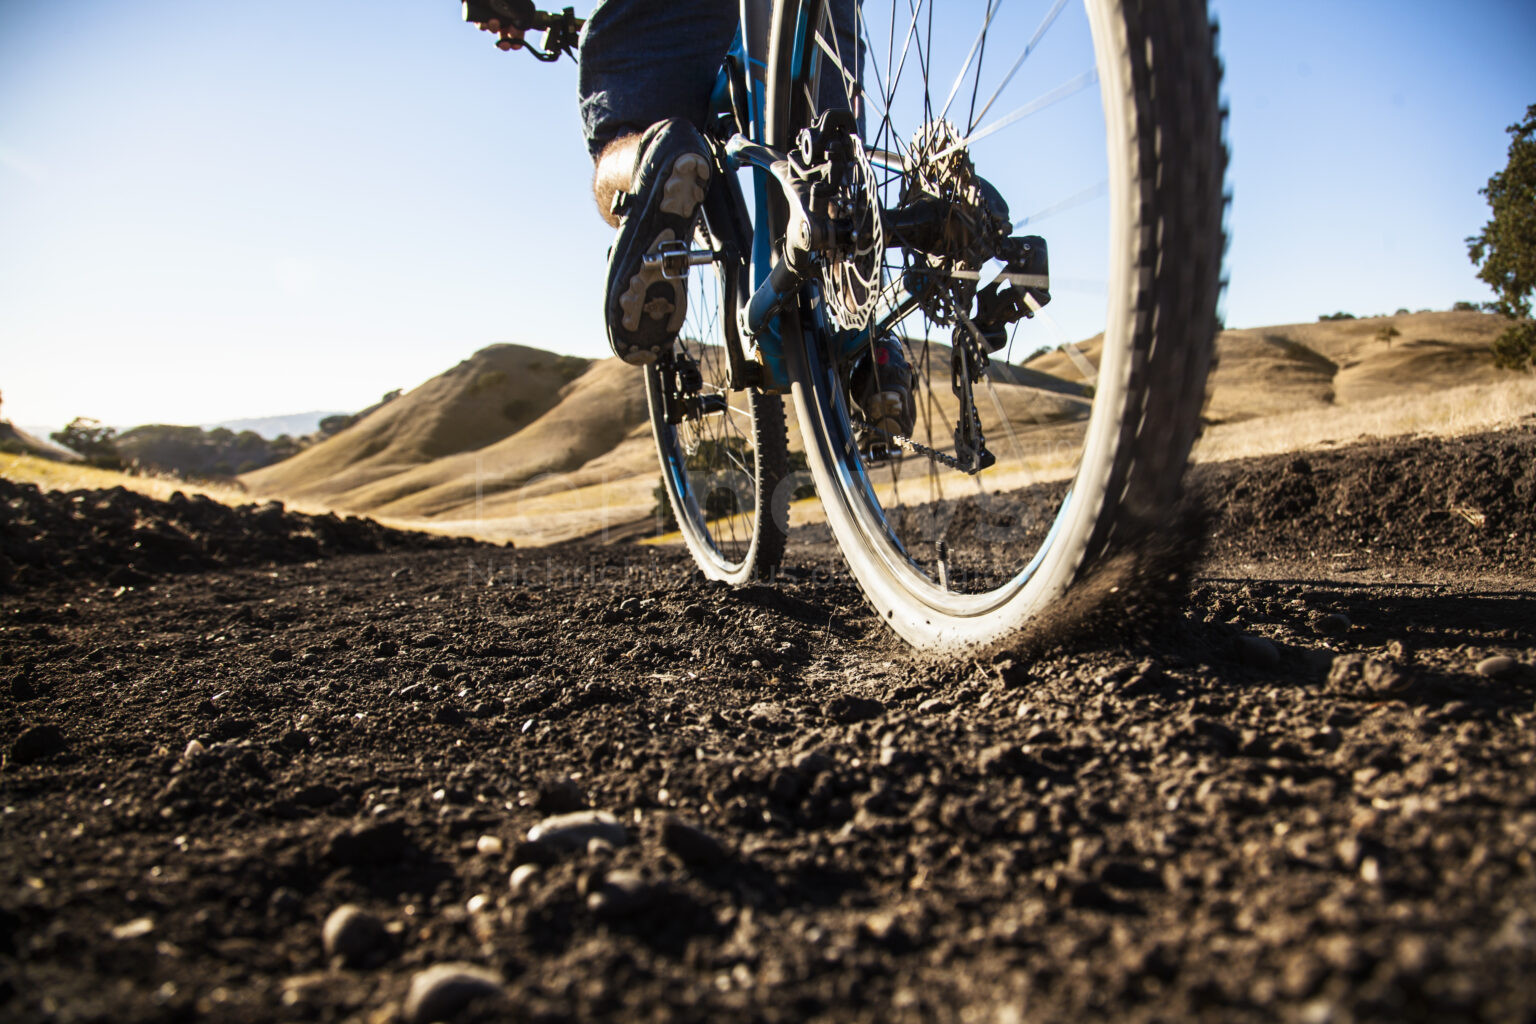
{"x": 1505, "y": 249}
{"x": 92, "y": 439}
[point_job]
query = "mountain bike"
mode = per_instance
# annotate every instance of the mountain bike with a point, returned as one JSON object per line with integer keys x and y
{"x": 896, "y": 171}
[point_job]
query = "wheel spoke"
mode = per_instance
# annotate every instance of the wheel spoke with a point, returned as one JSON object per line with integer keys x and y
{"x": 1072, "y": 202}
{"x": 1045, "y": 26}
{"x": 1067, "y": 89}
{"x": 992, "y": 8}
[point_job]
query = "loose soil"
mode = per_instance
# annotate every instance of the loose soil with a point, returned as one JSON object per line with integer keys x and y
{"x": 1306, "y": 793}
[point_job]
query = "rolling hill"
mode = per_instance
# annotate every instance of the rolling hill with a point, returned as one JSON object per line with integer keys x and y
{"x": 487, "y": 397}
{"x": 519, "y": 443}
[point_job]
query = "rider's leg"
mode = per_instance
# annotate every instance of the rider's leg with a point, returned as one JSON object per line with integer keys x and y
{"x": 642, "y": 62}
{"x": 646, "y": 73}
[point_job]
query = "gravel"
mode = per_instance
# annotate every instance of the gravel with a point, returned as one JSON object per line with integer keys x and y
{"x": 1131, "y": 824}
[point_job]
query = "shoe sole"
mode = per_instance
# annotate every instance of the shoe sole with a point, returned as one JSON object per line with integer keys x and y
{"x": 642, "y": 299}
{"x": 884, "y": 412}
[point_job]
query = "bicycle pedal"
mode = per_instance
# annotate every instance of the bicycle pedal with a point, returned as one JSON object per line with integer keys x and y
{"x": 676, "y": 257}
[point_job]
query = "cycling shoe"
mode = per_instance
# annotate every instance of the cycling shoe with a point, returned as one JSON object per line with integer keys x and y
{"x": 881, "y": 387}
{"x": 645, "y": 309}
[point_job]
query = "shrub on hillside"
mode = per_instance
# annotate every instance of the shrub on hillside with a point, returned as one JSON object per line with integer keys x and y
{"x": 93, "y": 440}
{"x": 193, "y": 452}
{"x": 568, "y": 368}
{"x": 1515, "y": 349}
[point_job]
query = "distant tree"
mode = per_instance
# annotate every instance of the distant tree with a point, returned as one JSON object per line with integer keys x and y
{"x": 1337, "y": 316}
{"x": 284, "y": 446}
{"x": 570, "y": 367}
{"x": 1505, "y": 250}
{"x": 390, "y": 396}
{"x": 330, "y": 425}
{"x": 221, "y": 435}
{"x": 1387, "y": 333}
{"x": 1401, "y": 311}
{"x": 1465, "y": 307}
{"x": 92, "y": 439}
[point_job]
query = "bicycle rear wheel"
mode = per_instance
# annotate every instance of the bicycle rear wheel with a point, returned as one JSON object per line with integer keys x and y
{"x": 723, "y": 453}
{"x": 1054, "y": 439}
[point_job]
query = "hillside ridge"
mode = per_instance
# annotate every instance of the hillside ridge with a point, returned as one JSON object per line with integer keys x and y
{"x": 448, "y": 452}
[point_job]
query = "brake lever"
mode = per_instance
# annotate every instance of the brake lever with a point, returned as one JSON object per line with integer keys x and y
{"x": 562, "y": 32}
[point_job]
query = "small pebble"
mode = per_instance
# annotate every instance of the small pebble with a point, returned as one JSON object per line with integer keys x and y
{"x": 490, "y": 846}
{"x": 442, "y": 991}
{"x": 1257, "y": 652}
{"x": 1497, "y": 667}
{"x": 478, "y": 902}
{"x": 133, "y": 929}
{"x": 194, "y": 748}
{"x": 933, "y": 706}
{"x": 622, "y": 893}
{"x": 1332, "y": 624}
{"x": 351, "y": 933}
{"x": 883, "y": 926}
{"x": 522, "y": 878}
{"x": 572, "y": 832}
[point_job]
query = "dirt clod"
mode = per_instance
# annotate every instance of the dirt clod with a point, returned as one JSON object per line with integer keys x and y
{"x": 36, "y": 743}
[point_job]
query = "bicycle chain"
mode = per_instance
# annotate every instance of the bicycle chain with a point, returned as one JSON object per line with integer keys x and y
{"x": 915, "y": 447}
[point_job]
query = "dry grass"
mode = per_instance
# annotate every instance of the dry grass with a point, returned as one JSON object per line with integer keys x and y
{"x": 65, "y": 476}
{"x": 484, "y": 399}
{"x": 1468, "y": 409}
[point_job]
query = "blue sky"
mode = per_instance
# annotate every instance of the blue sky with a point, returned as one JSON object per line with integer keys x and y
{"x": 209, "y": 212}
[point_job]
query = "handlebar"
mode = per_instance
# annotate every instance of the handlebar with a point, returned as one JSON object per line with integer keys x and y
{"x": 562, "y": 32}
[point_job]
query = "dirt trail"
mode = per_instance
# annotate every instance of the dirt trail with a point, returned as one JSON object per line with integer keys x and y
{"x": 1309, "y": 795}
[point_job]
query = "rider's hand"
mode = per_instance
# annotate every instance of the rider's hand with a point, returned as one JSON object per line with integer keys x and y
{"x": 509, "y": 38}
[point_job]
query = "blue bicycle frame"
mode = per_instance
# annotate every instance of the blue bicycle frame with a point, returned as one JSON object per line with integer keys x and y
{"x": 739, "y": 102}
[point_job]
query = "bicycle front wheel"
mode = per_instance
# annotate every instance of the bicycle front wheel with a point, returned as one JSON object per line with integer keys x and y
{"x": 1055, "y": 405}
{"x": 723, "y": 453}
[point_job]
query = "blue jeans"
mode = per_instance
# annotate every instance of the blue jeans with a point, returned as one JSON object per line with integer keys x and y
{"x": 643, "y": 61}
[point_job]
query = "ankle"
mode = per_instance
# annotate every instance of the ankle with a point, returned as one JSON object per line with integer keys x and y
{"x": 614, "y": 173}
